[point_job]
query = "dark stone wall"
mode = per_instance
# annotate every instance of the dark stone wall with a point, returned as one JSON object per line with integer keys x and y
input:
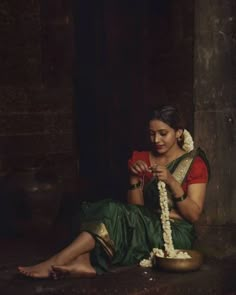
{"x": 129, "y": 55}
{"x": 77, "y": 78}
{"x": 215, "y": 114}
{"x": 36, "y": 86}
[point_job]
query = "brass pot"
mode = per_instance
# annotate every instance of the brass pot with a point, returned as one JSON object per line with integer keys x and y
{"x": 180, "y": 264}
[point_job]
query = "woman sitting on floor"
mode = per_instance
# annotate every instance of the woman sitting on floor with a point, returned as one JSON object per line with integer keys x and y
{"x": 117, "y": 234}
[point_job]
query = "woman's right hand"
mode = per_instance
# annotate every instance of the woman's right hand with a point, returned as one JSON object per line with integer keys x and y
{"x": 139, "y": 168}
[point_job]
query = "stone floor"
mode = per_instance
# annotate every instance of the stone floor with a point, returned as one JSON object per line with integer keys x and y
{"x": 216, "y": 277}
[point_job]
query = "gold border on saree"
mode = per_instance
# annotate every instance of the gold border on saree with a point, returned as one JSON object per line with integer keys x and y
{"x": 102, "y": 235}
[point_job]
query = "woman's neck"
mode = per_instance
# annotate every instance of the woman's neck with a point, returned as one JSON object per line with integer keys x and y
{"x": 164, "y": 159}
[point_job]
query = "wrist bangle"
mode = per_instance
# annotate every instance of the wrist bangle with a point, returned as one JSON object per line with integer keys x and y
{"x": 180, "y": 199}
{"x": 135, "y": 185}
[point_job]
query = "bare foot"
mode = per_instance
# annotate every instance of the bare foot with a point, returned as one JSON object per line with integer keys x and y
{"x": 73, "y": 269}
{"x": 42, "y": 270}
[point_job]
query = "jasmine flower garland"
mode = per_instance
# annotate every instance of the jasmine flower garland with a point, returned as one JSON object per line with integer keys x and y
{"x": 170, "y": 252}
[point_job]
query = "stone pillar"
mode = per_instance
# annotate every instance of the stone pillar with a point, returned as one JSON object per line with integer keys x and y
{"x": 215, "y": 118}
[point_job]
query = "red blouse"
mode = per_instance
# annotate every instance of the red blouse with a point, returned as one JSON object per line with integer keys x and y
{"x": 198, "y": 172}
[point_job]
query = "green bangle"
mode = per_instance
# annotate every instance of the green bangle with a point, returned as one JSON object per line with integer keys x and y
{"x": 135, "y": 185}
{"x": 180, "y": 199}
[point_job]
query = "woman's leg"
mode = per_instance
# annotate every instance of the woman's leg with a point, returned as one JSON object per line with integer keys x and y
{"x": 80, "y": 267}
{"x": 84, "y": 243}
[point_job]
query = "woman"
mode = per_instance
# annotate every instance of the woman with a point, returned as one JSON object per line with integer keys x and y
{"x": 113, "y": 233}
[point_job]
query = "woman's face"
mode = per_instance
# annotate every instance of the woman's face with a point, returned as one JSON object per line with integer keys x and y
{"x": 163, "y": 138}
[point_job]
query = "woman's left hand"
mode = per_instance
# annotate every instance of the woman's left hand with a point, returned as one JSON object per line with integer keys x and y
{"x": 162, "y": 173}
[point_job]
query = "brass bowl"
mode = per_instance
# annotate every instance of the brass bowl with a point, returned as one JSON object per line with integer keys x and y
{"x": 180, "y": 264}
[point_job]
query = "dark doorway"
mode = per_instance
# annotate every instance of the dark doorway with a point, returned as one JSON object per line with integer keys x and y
{"x": 130, "y": 55}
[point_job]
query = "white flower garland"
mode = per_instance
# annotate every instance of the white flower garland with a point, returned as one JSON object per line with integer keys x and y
{"x": 170, "y": 252}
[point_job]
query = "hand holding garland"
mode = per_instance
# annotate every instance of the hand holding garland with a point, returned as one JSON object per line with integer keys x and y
{"x": 189, "y": 204}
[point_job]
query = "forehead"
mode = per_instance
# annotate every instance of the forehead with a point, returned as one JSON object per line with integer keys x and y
{"x": 156, "y": 125}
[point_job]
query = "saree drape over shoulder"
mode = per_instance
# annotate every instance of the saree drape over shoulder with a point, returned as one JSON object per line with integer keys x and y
{"x": 125, "y": 233}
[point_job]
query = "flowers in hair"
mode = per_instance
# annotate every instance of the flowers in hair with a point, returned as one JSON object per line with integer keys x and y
{"x": 188, "y": 144}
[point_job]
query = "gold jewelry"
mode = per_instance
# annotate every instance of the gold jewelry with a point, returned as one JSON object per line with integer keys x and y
{"x": 135, "y": 186}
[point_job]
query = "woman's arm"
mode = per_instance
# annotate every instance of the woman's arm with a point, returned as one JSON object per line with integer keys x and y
{"x": 135, "y": 191}
{"x": 135, "y": 194}
{"x": 191, "y": 207}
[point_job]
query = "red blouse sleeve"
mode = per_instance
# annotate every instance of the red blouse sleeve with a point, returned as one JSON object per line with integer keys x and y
{"x": 198, "y": 172}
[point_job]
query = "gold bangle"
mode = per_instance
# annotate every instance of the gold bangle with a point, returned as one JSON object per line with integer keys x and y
{"x": 135, "y": 185}
{"x": 180, "y": 199}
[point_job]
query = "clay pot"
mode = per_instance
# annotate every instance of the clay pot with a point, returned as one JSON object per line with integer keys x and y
{"x": 41, "y": 194}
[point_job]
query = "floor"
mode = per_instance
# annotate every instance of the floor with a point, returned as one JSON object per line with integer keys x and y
{"x": 216, "y": 277}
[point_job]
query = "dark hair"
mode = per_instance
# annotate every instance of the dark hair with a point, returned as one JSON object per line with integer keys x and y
{"x": 167, "y": 114}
